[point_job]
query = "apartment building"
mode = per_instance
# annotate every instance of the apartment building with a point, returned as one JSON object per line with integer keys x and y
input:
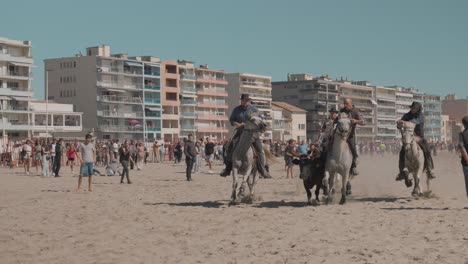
{"x": 15, "y": 87}
{"x": 188, "y": 99}
{"x": 170, "y": 100}
{"x": 119, "y": 96}
{"x": 386, "y": 99}
{"x": 433, "y": 120}
{"x": 289, "y": 122}
{"x": 258, "y": 87}
{"x": 211, "y": 104}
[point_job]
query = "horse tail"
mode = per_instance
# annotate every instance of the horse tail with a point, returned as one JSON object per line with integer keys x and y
{"x": 269, "y": 157}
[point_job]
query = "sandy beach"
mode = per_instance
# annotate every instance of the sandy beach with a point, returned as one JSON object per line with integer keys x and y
{"x": 162, "y": 218}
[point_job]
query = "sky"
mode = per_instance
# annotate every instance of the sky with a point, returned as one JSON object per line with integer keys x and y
{"x": 418, "y": 43}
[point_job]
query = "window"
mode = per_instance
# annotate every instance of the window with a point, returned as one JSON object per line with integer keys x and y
{"x": 301, "y": 126}
{"x": 74, "y": 64}
{"x": 11, "y": 85}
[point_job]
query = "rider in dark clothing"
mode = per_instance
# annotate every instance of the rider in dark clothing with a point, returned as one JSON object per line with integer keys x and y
{"x": 237, "y": 120}
{"x": 416, "y": 116}
{"x": 356, "y": 119}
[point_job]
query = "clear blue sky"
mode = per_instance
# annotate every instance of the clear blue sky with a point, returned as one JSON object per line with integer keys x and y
{"x": 420, "y": 43}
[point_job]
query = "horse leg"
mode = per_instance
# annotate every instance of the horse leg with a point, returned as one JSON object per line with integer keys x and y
{"x": 348, "y": 188}
{"x": 417, "y": 190}
{"x": 325, "y": 180}
{"x": 344, "y": 183}
{"x": 234, "y": 187}
{"x": 309, "y": 193}
{"x": 331, "y": 186}
{"x": 317, "y": 193}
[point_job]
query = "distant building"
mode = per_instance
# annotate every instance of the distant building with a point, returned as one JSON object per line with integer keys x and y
{"x": 433, "y": 121}
{"x": 119, "y": 96}
{"x": 63, "y": 121}
{"x": 15, "y": 87}
{"x": 455, "y": 108}
{"x": 289, "y": 122}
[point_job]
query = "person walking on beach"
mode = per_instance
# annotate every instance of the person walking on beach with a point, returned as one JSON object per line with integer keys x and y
{"x": 463, "y": 147}
{"x": 27, "y": 151}
{"x": 190, "y": 156}
{"x": 58, "y": 158}
{"x": 125, "y": 159}
{"x": 87, "y": 158}
{"x": 209, "y": 153}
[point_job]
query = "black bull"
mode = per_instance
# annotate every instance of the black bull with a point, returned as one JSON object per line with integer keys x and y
{"x": 312, "y": 174}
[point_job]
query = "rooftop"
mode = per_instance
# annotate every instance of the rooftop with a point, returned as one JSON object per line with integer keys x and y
{"x": 290, "y": 108}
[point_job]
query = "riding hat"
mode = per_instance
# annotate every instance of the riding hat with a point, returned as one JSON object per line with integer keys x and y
{"x": 245, "y": 97}
{"x": 415, "y": 104}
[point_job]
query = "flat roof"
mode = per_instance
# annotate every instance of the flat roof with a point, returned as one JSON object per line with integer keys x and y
{"x": 288, "y": 107}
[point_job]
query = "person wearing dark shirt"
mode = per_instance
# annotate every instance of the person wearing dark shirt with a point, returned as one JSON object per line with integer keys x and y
{"x": 237, "y": 120}
{"x": 58, "y": 158}
{"x": 209, "y": 153}
{"x": 416, "y": 116}
{"x": 190, "y": 156}
{"x": 356, "y": 119}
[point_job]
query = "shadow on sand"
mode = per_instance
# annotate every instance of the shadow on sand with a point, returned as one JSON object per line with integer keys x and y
{"x": 278, "y": 204}
{"x": 414, "y": 208}
{"x": 380, "y": 199}
{"x": 207, "y": 204}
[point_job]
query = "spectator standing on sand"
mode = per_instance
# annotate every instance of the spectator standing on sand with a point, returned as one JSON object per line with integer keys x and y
{"x": 463, "y": 146}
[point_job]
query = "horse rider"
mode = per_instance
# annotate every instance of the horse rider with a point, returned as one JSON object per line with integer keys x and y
{"x": 237, "y": 120}
{"x": 326, "y": 132}
{"x": 416, "y": 116}
{"x": 356, "y": 119}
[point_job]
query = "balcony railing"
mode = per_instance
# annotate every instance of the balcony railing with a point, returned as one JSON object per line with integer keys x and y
{"x": 189, "y": 115}
{"x": 189, "y": 89}
{"x": 187, "y": 127}
{"x": 153, "y": 87}
{"x": 188, "y": 77}
{"x": 120, "y": 99}
{"x": 188, "y": 102}
{"x": 152, "y": 101}
{"x": 153, "y": 129}
{"x": 258, "y": 84}
{"x": 133, "y": 86}
{"x": 17, "y": 74}
{"x": 108, "y": 113}
{"x": 128, "y": 129}
{"x": 153, "y": 73}
{"x": 153, "y": 114}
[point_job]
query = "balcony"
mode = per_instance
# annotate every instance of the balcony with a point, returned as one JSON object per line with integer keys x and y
{"x": 116, "y": 114}
{"x": 120, "y": 129}
{"x": 152, "y": 114}
{"x": 212, "y": 92}
{"x": 152, "y": 101}
{"x": 153, "y": 87}
{"x": 120, "y": 99}
{"x": 17, "y": 75}
{"x": 119, "y": 85}
{"x": 188, "y": 115}
{"x": 10, "y": 108}
{"x": 189, "y": 89}
{"x": 153, "y": 73}
{"x": 212, "y": 117}
{"x": 257, "y": 84}
{"x": 209, "y": 129}
{"x": 212, "y": 105}
{"x": 13, "y": 58}
{"x": 12, "y": 91}
{"x": 188, "y": 102}
{"x": 153, "y": 129}
{"x": 14, "y": 125}
{"x": 188, "y": 127}
{"x": 188, "y": 77}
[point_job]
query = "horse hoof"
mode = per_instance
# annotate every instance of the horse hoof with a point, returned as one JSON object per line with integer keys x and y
{"x": 408, "y": 183}
{"x": 349, "y": 192}
{"x": 415, "y": 194}
{"x": 315, "y": 203}
{"x": 233, "y": 203}
{"x": 343, "y": 200}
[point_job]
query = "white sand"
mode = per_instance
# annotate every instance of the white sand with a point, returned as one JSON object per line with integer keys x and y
{"x": 161, "y": 218}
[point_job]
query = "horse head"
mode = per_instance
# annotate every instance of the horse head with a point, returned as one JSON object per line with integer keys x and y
{"x": 407, "y": 134}
{"x": 254, "y": 121}
{"x": 343, "y": 126}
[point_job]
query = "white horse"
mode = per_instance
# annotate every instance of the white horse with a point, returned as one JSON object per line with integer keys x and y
{"x": 339, "y": 159}
{"x": 414, "y": 158}
{"x": 243, "y": 159}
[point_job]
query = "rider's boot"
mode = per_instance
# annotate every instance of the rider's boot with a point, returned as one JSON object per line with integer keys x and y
{"x": 261, "y": 166}
{"x": 227, "y": 170}
{"x": 353, "y": 170}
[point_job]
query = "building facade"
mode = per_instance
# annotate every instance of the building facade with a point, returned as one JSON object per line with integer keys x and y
{"x": 62, "y": 121}
{"x": 289, "y": 122}
{"x": 433, "y": 121}
{"x": 170, "y": 100}
{"x": 188, "y": 99}
{"x": 454, "y": 107}
{"x": 211, "y": 104}
{"x": 119, "y": 96}
{"x": 258, "y": 87}
{"x": 15, "y": 87}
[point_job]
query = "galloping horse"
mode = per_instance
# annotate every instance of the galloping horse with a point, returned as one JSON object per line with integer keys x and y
{"x": 414, "y": 158}
{"x": 339, "y": 159}
{"x": 243, "y": 159}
